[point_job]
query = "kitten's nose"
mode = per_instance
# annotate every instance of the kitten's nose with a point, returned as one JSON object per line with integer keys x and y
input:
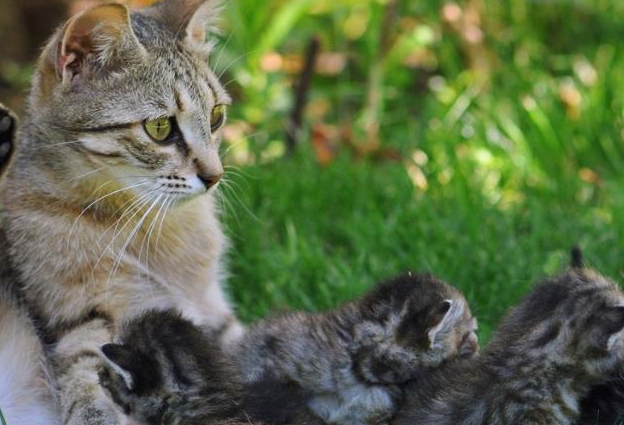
{"x": 209, "y": 181}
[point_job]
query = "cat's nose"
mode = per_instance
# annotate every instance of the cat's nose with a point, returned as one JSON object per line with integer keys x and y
{"x": 209, "y": 180}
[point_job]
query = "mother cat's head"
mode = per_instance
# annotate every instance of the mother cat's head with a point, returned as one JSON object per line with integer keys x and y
{"x": 130, "y": 98}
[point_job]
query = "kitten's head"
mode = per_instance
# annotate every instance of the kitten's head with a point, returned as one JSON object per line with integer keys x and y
{"x": 411, "y": 323}
{"x": 164, "y": 367}
{"x": 131, "y": 98}
{"x": 573, "y": 322}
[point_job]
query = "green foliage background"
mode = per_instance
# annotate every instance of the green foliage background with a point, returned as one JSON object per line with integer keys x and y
{"x": 507, "y": 119}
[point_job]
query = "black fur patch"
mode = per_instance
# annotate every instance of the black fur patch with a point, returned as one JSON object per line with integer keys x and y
{"x": 8, "y": 126}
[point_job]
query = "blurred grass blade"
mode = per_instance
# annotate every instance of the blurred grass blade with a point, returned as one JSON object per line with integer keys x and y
{"x": 282, "y": 23}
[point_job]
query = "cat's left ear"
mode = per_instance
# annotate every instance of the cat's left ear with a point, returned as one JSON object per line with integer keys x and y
{"x": 190, "y": 20}
{"x": 96, "y": 42}
{"x": 122, "y": 360}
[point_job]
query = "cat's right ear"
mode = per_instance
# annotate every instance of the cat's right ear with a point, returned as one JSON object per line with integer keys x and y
{"x": 95, "y": 42}
{"x": 122, "y": 360}
{"x": 445, "y": 316}
{"x": 191, "y": 21}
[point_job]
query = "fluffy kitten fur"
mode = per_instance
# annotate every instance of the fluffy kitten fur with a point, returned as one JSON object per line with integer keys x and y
{"x": 345, "y": 366}
{"x": 88, "y": 190}
{"x": 565, "y": 337}
{"x": 353, "y": 359}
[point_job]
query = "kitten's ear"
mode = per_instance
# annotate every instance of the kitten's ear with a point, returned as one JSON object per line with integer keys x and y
{"x": 97, "y": 41}
{"x": 576, "y": 258}
{"x": 190, "y": 20}
{"x": 121, "y": 359}
{"x": 445, "y": 316}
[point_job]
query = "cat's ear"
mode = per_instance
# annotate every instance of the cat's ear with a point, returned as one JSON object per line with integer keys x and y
{"x": 122, "y": 360}
{"x": 444, "y": 316}
{"x": 97, "y": 41}
{"x": 190, "y": 20}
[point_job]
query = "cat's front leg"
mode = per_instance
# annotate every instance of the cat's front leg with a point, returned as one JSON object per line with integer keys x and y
{"x": 76, "y": 361}
{"x": 215, "y": 314}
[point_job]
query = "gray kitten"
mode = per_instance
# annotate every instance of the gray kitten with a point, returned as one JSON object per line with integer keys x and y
{"x": 344, "y": 366}
{"x": 352, "y": 360}
{"x": 566, "y": 336}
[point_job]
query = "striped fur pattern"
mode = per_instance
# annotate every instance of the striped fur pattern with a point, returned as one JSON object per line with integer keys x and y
{"x": 165, "y": 370}
{"x": 350, "y": 361}
{"x": 565, "y": 337}
{"x": 102, "y": 222}
{"x": 342, "y": 367}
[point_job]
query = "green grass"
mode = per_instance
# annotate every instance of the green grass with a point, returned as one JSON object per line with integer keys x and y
{"x": 512, "y": 150}
{"x": 2, "y": 420}
{"x": 310, "y": 237}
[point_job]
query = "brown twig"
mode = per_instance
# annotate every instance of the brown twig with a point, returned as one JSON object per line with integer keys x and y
{"x": 301, "y": 95}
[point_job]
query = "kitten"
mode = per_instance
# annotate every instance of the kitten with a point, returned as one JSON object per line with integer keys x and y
{"x": 169, "y": 371}
{"x": 344, "y": 366}
{"x": 564, "y": 337}
{"x": 8, "y": 125}
{"x": 108, "y": 207}
{"x": 353, "y": 359}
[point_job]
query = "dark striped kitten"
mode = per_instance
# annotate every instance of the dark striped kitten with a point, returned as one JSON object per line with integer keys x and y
{"x": 566, "y": 336}
{"x": 168, "y": 371}
{"x": 352, "y": 360}
{"x": 344, "y": 366}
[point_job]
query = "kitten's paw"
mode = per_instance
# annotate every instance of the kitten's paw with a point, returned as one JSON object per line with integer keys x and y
{"x": 7, "y": 134}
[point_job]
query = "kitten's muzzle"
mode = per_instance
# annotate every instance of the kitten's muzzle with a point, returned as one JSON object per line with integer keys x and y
{"x": 209, "y": 181}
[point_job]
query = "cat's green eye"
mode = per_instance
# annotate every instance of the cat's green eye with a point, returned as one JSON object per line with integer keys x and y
{"x": 159, "y": 129}
{"x": 217, "y": 117}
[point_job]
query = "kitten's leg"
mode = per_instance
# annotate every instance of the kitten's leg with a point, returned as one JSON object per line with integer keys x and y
{"x": 77, "y": 360}
{"x": 8, "y": 124}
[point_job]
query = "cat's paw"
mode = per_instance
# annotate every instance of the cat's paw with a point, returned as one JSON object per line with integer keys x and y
{"x": 7, "y": 134}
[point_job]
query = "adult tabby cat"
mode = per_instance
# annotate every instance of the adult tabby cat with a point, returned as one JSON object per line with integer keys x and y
{"x": 344, "y": 366}
{"x": 565, "y": 337}
{"x": 108, "y": 207}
